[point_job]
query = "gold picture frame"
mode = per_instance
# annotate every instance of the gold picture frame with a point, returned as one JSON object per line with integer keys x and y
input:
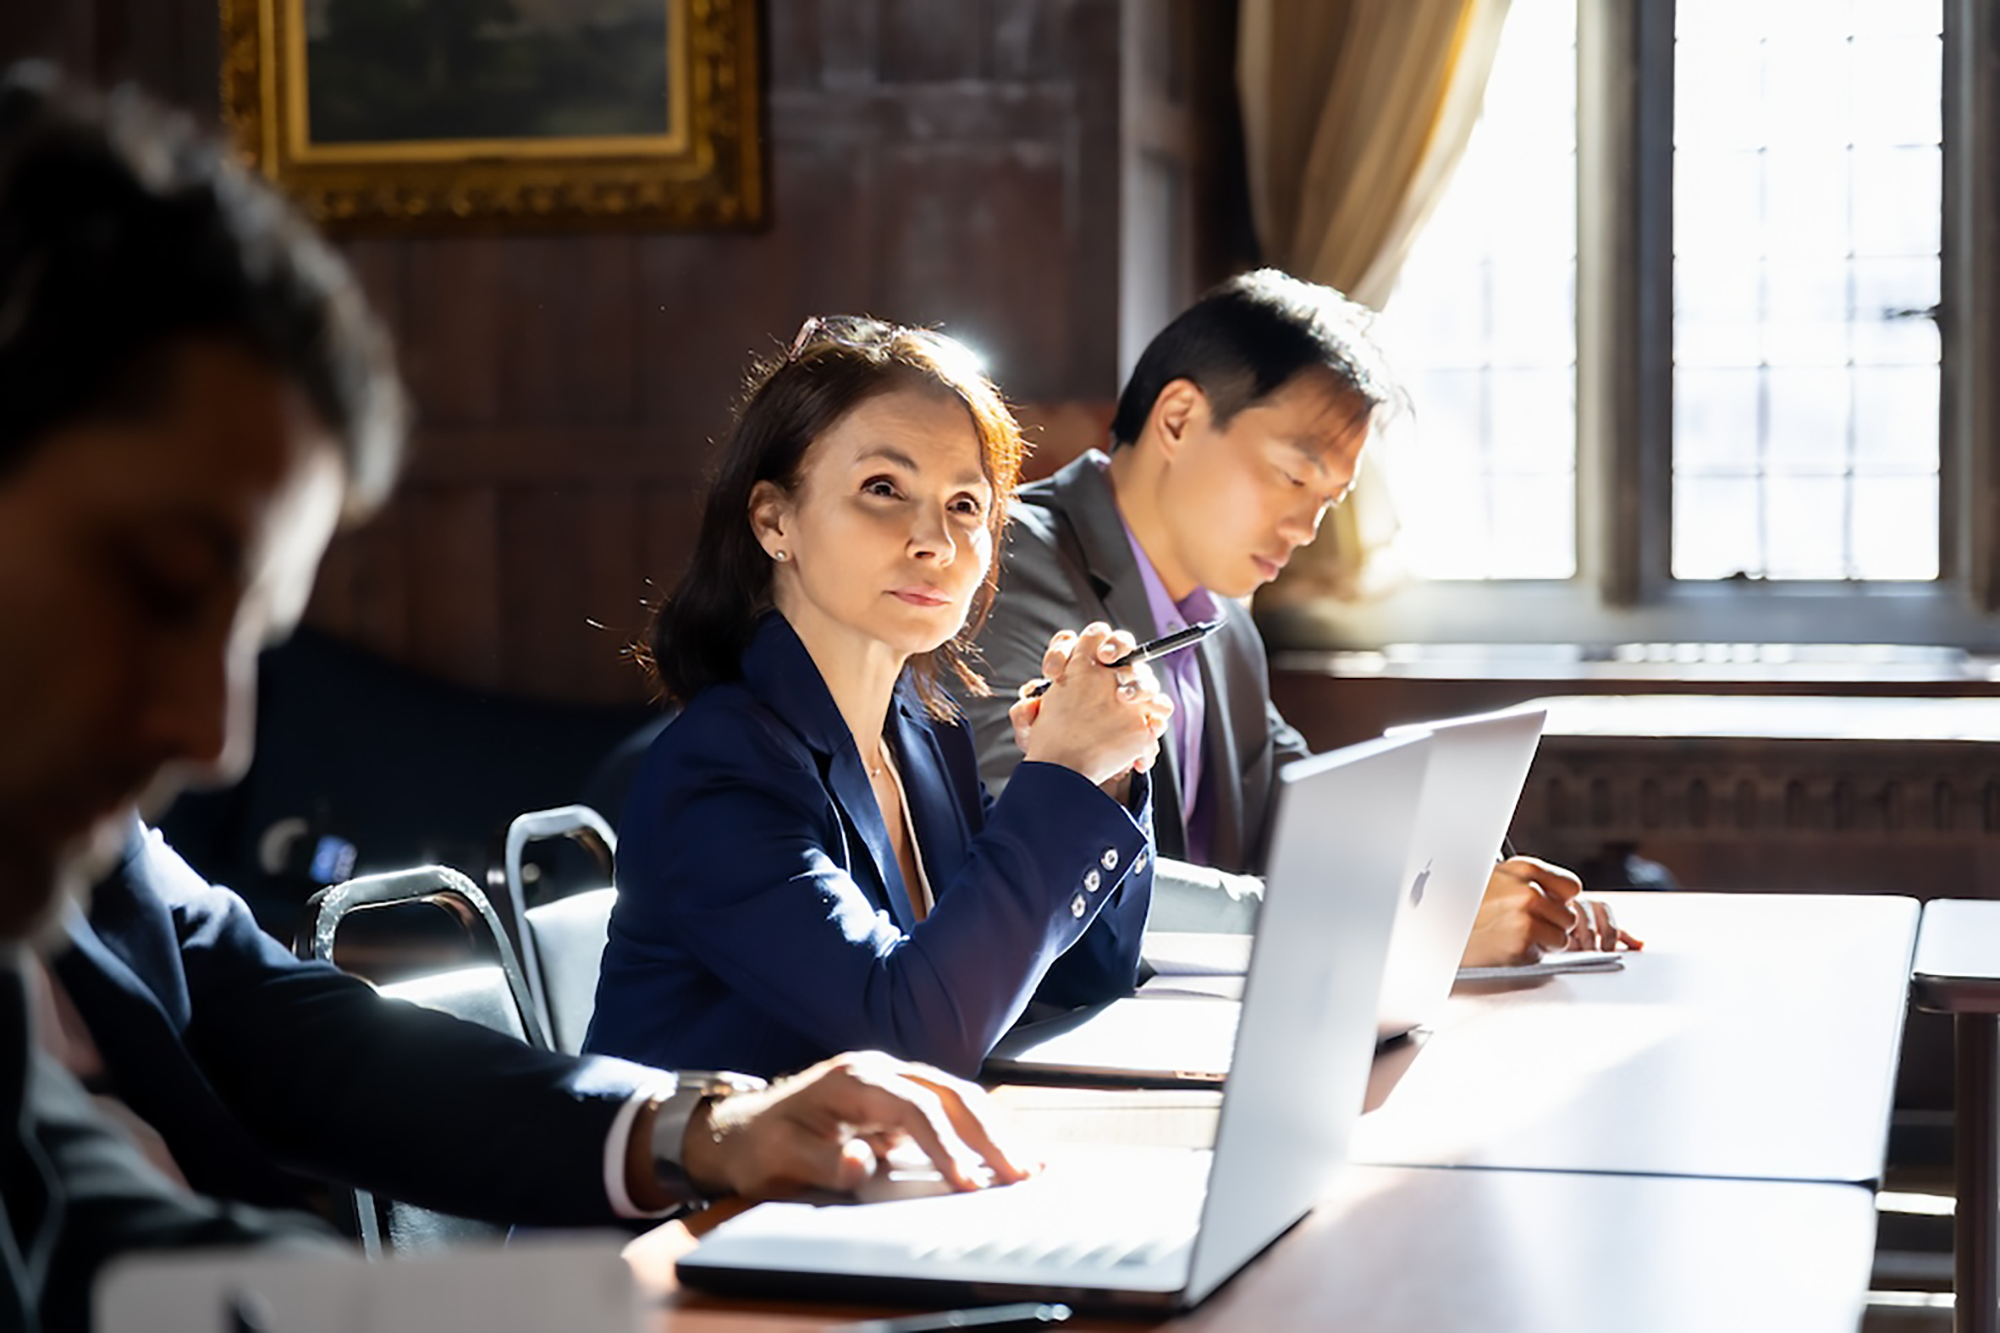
{"x": 537, "y": 113}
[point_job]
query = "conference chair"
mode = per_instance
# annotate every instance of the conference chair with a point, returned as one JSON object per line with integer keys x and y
{"x": 493, "y": 994}
{"x": 562, "y": 942}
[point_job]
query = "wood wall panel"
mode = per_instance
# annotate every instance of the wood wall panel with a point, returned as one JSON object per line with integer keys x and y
{"x": 452, "y": 326}
{"x": 706, "y": 312}
{"x": 612, "y": 562}
{"x": 379, "y": 265}
{"x": 924, "y": 42}
{"x": 541, "y": 617}
{"x": 452, "y": 542}
{"x": 1092, "y": 36}
{"x": 845, "y": 36}
{"x": 568, "y": 344}
{"x": 980, "y": 246}
{"x": 364, "y": 586}
{"x": 1030, "y": 40}
{"x": 382, "y": 617}
{"x": 668, "y": 518}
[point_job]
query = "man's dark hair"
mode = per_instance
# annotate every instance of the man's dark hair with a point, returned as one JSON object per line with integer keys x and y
{"x": 1248, "y": 338}
{"x": 125, "y": 233}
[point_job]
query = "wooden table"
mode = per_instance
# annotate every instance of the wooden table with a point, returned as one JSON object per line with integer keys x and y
{"x": 1411, "y": 1250}
{"x": 1755, "y": 1037}
{"x": 1664, "y": 1147}
{"x": 1957, "y": 971}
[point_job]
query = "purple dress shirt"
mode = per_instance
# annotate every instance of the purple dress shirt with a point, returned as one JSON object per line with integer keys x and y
{"x": 1180, "y": 677}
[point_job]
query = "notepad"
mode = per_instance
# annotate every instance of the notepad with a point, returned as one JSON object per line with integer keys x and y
{"x": 1550, "y": 965}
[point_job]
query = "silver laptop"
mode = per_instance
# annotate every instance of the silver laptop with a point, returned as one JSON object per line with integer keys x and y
{"x": 1477, "y": 766}
{"x": 1158, "y": 1227}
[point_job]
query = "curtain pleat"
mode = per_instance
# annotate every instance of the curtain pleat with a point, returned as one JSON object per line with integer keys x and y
{"x": 1355, "y": 114}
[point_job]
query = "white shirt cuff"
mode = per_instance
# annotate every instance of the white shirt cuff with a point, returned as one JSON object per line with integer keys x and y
{"x": 617, "y": 1145}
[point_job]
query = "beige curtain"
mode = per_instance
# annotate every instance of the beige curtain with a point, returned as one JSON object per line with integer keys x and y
{"x": 1355, "y": 113}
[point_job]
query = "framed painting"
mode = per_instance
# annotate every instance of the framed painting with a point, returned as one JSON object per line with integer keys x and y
{"x": 442, "y": 113}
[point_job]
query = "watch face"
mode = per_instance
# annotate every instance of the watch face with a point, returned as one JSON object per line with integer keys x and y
{"x": 717, "y": 1082}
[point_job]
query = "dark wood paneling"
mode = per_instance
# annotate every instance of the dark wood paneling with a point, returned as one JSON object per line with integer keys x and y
{"x": 452, "y": 540}
{"x": 613, "y": 591}
{"x": 568, "y": 350}
{"x": 1030, "y": 40}
{"x": 542, "y": 617}
{"x": 976, "y": 247}
{"x": 363, "y": 586}
{"x": 925, "y": 42}
{"x": 64, "y": 31}
{"x": 668, "y": 519}
{"x": 454, "y": 326}
{"x": 847, "y": 43}
{"x": 379, "y": 265}
{"x": 1093, "y": 197}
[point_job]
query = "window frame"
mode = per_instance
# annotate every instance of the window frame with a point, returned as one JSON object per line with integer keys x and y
{"x": 1623, "y": 590}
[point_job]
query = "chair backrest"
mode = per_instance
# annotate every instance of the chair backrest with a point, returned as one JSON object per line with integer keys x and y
{"x": 587, "y": 829}
{"x": 569, "y": 936}
{"x": 494, "y": 995}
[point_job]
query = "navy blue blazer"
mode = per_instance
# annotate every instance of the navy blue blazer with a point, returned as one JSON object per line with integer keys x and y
{"x": 762, "y": 922}
{"x": 257, "y": 1068}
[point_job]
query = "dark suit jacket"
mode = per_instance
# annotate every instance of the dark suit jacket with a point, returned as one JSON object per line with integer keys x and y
{"x": 75, "y": 1192}
{"x": 1068, "y": 562}
{"x": 762, "y": 921}
{"x": 254, "y": 1066}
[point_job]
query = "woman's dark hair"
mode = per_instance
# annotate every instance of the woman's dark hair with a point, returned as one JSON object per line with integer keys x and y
{"x": 1249, "y": 337}
{"x": 700, "y": 631}
{"x": 124, "y": 234}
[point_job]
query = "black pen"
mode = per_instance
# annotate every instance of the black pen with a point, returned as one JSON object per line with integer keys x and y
{"x": 1026, "y": 1314}
{"x": 1146, "y": 652}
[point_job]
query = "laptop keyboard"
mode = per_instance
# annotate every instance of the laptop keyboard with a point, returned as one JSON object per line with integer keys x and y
{"x": 1078, "y": 1236}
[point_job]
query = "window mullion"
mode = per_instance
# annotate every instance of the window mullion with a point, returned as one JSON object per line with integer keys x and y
{"x": 1969, "y": 313}
{"x": 1625, "y": 55}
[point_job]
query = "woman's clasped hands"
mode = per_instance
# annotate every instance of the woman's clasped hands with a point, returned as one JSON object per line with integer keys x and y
{"x": 1101, "y": 721}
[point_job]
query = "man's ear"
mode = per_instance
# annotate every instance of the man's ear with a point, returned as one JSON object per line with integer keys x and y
{"x": 770, "y": 512}
{"x": 1173, "y": 411}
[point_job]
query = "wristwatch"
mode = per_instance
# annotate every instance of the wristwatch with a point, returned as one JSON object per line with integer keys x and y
{"x": 692, "y": 1087}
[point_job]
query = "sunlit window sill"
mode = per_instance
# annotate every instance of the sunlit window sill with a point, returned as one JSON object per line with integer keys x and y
{"x": 1799, "y": 663}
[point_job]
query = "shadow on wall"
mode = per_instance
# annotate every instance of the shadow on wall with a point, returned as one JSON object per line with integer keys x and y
{"x": 365, "y": 765}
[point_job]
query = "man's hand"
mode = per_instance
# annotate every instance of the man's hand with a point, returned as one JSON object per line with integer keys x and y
{"x": 1594, "y": 928}
{"x": 827, "y": 1127}
{"x": 1533, "y": 907}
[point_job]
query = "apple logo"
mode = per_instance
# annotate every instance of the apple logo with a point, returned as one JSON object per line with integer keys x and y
{"x": 1417, "y": 884}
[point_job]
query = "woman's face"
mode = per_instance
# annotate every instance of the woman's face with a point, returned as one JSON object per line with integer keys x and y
{"x": 884, "y": 539}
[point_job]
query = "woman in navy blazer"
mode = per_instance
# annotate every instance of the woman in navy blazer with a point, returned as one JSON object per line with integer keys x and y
{"x": 807, "y": 862}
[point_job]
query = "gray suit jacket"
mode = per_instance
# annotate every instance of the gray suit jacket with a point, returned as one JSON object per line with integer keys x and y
{"x": 1068, "y": 562}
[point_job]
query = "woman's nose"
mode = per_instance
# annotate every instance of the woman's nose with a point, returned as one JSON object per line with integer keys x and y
{"x": 932, "y": 538}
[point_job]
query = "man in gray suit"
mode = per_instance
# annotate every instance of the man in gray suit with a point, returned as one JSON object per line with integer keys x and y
{"x": 1241, "y": 426}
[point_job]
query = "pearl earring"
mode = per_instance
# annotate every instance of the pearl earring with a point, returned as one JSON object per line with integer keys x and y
{"x": 781, "y": 555}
